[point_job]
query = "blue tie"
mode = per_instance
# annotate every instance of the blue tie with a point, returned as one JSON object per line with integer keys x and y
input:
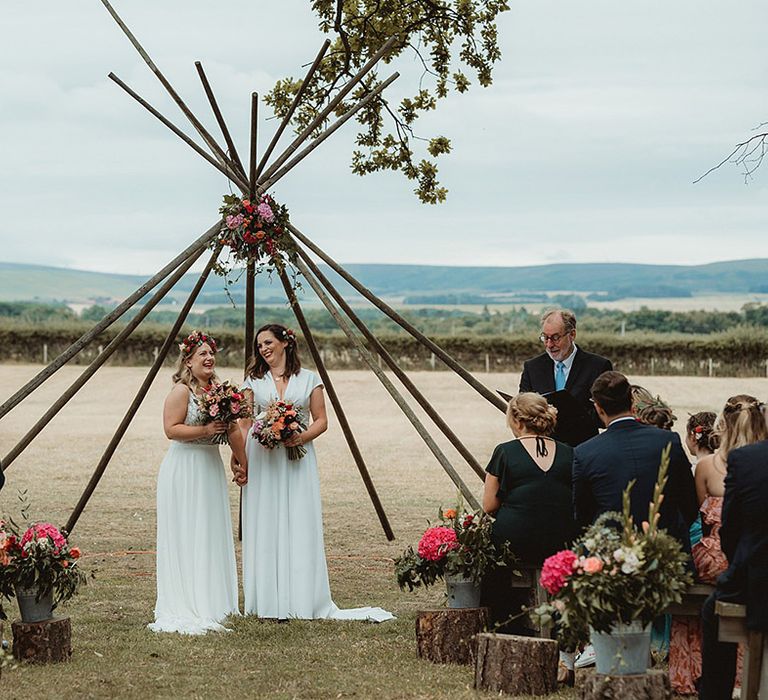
{"x": 559, "y": 376}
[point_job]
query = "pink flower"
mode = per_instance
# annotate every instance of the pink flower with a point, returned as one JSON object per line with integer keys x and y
{"x": 436, "y": 542}
{"x": 556, "y": 570}
{"x": 592, "y": 565}
{"x": 42, "y": 530}
{"x": 265, "y": 212}
{"x": 213, "y": 411}
{"x": 234, "y": 407}
{"x": 234, "y": 221}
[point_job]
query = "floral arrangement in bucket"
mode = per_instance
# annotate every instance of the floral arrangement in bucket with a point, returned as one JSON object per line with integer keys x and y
{"x": 37, "y": 560}
{"x": 460, "y": 545}
{"x": 615, "y": 574}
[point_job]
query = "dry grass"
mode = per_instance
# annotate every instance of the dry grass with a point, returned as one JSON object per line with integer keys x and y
{"x": 115, "y": 656}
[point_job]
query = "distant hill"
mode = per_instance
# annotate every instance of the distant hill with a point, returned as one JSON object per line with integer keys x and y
{"x": 20, "y": 282}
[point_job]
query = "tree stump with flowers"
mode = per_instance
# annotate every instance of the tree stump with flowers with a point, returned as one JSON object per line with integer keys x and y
{"x": 44, "y": 642}
{"x": 514, "y": 665}
{"x": 652, "y": 685}
{"x": 446, "y": 636}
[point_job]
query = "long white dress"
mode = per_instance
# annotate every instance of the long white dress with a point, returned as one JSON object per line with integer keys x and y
{"x": 196, "y": 569}
{"x": 284, "y": 569}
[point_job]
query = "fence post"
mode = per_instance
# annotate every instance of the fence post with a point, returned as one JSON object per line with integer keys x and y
{"x": 45, "y": 355}
{"x": 653, "y": 363}
{"x": 432, "y": 361}
{"x": 766, "y": 368}
{"x": 155, "y": 353}
{"x": 711, "y": 370}
{"x": 487, "y": 363}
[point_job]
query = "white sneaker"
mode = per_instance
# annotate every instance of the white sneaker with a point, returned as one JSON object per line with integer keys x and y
{"x": 586, "y": 657}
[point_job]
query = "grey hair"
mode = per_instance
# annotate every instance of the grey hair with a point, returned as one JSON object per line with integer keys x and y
{"x": 569, "y": 318}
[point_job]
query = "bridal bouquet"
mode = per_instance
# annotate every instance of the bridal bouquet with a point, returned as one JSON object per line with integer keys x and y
{"x": 223, "y": 402}
{"x": 280, "y": 421}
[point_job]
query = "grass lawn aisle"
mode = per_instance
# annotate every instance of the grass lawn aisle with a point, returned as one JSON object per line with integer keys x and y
{"x": 115, "y": 656}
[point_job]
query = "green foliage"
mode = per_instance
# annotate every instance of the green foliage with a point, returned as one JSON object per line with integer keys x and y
{"x": 33, "y": 312}
{"x": 452, "y": 40}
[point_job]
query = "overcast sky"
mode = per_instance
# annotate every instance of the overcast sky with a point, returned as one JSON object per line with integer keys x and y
{"x": 585, "y": 148}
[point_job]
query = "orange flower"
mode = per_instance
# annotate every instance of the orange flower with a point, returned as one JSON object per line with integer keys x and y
{"x": 449, "y": 513}
{"x": 260, "y": 234}
{"x": 64, "y": 563}
{"x": 593, "y": 565}
{"x": 75, "y": 552}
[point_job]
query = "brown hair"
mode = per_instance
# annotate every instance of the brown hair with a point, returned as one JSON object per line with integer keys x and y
{"x": 183, "y": 374}
{"x": 612, "y": 392}
{"x": 569, "y": 318}
{"x": 740, "y": 423}
{"x": 701, "y": 425}
{"x": 258, "y": 366}
{"x": 650, "y": 409}
{"x": 532, "y": 411}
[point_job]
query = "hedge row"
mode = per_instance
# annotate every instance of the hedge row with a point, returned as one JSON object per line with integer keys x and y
{"x": 734, "y": 353}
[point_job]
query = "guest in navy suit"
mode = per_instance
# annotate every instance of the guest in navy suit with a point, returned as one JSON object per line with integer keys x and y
{"x": 629, "y": 450}
{"x": 744, "y": 539}
{"x": 564, "y": 366}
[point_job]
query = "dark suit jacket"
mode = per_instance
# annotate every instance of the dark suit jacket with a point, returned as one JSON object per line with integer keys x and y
{"x": 2, "y": 477}
{"x": 744, "y": 533}
{"x": 539, "y": 376}
{"x": 604, "y": 465}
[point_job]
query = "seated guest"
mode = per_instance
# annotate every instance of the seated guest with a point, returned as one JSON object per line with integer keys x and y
{"x": 740, "y": 423}
{"x": 650, "y": 409}
{"x": 629, "y": 450}
{"x": 744, "y": 540}
{"x": 528, "y": 488}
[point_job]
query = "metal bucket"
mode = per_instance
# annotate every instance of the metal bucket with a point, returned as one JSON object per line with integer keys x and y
{"x": 33, "y": 609}
{"x": 462, "y": 592}
{"x": 624, "y": 651}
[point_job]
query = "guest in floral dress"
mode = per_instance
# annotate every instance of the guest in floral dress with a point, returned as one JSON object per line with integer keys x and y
{"x": 740, "y": 423}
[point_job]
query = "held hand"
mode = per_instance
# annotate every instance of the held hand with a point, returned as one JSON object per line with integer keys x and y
{"x": 296, "y": 440}
{"x": 215, "y": 427}
{"x": 241, "y": 476}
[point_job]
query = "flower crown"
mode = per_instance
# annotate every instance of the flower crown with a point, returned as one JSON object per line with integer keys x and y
{"x": 288, "y": 336}
{"x": 194, "y": 340}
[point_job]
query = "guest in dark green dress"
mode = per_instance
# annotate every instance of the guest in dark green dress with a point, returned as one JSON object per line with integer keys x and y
{"x": 528, "y": 489}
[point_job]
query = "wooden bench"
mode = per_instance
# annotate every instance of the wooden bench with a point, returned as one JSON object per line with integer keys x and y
{"x": 732, "y": 627}
{"x": 529, "y": 579}
{"x": 693, "y": 599}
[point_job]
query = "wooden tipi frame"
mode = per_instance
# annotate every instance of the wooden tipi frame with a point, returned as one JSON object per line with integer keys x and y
{"x": 262, "y": 175}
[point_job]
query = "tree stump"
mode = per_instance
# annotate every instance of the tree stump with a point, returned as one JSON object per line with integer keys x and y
{"x": 513, "y": 665}
{"x": 445, "y": 636}
{"x": 653, "y": 685}
{"x": 44, "y": 642}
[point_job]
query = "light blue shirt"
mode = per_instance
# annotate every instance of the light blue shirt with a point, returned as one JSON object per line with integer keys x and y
{"x": 567, "y": 364}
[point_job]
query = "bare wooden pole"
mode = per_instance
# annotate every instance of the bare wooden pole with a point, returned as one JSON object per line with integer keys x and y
{"x": 117, "y": 341}
{"x": 220, "y": 119}
{"x": 170, "y": 341}
{"x": 254, "y": 144}
{"x": 316, "y": 142}
{"x": 323, "y": 115}
{"x": 337, "y": 408}
{"x": 107, "y": 321}
{"x": 390, "y": 387}
{"x": 374, "y": 342}
{"x": 226, "y": 169}
{"x": 296, "y": 101}
{"x": 215, "y": 148}
{"x": 397, "y": 318}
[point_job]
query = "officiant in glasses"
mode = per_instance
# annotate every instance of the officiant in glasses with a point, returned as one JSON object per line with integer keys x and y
{"x": 564, "y": 374}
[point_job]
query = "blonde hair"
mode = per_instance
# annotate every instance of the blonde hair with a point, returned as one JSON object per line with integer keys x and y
{"x": 650, "y": 409}
{"x": 740, "y": 423}
{"x": 532, "y": 411}
{"x": 183, "y": 374}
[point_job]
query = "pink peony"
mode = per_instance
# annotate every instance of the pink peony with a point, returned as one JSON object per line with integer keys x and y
{"x": 234, "y": 221}
{"x": 265, "y": 212}
{"x": 556, "y": 570}
{"x": 213, "y": 411}
{"x": 592, "y": 565}
{"x": 234, "y": 406}
{"x": 42, "y": 530}
{"x": 436, "y": 542}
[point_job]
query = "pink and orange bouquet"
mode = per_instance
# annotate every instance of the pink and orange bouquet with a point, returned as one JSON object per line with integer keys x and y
{"x": 38, "y": 557}
{"x": 280, "y": 421}
{"x": 223, "y": 401}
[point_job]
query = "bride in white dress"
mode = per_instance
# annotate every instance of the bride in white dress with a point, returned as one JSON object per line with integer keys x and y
{"x": 284, "y": 569}
{"x": 196, "y": 570}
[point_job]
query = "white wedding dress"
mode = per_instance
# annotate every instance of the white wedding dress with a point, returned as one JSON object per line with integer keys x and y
{"x": 196, "y": 569}
{"x": 284, "y": 569}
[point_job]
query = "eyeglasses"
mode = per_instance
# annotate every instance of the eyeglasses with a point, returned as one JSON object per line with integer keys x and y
{"x": 556, "y": 338}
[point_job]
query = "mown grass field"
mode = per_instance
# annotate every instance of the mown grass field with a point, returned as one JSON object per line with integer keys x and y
{"x": 115, "y": 656}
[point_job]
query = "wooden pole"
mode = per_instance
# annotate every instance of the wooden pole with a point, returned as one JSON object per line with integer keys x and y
{"x": 323, "y": 115}
{"x": 392, "y": 364}
{"x": 296, "y": 100}
{"x": 338, "y": 410}
{"x": 254, "y": 144}
{"x": 107, "y": 321}
{"x": 80, "y": 382}
{"x": 225, "y": 168}
{"x": 220, "y": 119}
{"x": 169, "y": 343}
{"x": 316, "y": 142}
{"x": 390, "y": 387}
{"x": 215, "y": 148}
{"x": 397, "y": 318}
